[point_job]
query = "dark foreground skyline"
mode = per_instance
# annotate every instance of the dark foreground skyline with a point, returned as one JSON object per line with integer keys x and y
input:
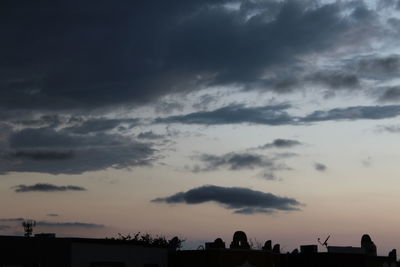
{"x": 197, "y": 118}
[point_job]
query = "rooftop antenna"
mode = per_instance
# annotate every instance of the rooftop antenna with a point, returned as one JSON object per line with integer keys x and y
{"x": 28, "y": 227}
{"x": 325, "y": 243}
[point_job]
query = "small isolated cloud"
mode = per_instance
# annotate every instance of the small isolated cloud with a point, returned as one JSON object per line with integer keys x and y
{"x": 268, "y": 175}
{"x": 69, "y": 224}
{"x": 41, "y": 187}
{"x": 281, "y": 143}
{"x": 52, "y": 215}
{"x": 320, "y": 167}
{"x": 241, "y": 200}
{"x": 367, "y": 162}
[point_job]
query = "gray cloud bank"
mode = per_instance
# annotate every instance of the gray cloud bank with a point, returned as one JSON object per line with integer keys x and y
{"x": 84, "y": 57}
{"x": 41, "y": 187}
{"x": 86, "y": 54}
{"x": 241, "y": 200}
{"x": 60, "y": 151}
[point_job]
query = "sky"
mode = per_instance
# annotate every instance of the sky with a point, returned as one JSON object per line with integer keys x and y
{"x": 200, "y": 118}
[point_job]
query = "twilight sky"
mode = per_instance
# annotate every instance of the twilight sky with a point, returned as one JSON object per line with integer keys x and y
{"x": 201, "y": 117}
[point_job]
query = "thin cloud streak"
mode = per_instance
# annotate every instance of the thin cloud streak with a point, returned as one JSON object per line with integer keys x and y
{"x": 281, "y": 143}
{"x": 11, "y": 219}
{"x": 277, "y": 115}
{"x": 69, "y": 224}
{"x": 43, "y": 187}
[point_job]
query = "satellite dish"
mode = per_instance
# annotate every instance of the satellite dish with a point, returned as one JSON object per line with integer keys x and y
{"x": 325, "y": 243}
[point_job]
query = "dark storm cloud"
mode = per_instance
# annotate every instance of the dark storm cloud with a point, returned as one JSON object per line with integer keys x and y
{"x": 50, "y": 151}
{"x": 390, "y": 94}
{"x": 43, "y": 138}
{"x": 379, "y": 66}
{"x": 269, "y": 115}
{"x": 85, "y": 54}
{"x": 43, "y": 155}
{"x": 42, "y": 121}
{"x": 335, "y": 80}
{"x": 69, "y": 224}
{"x": 327, "y": 80}
{"x": 389, "y": 4}
{"x": 100, "y": 125}
{"x": 320, "y": 167}
{"x": 281, "y": 143}
{"x": 41, "y": 187}
{"x": 242, "y": 200}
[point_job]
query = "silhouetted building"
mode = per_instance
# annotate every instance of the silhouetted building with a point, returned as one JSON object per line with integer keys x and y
{"x": 346, "y": 250}
{"x": 393, "y": 255}
{"x": 238, "y": 256}
{"x": 239, "y": 241}
{"x": 309, "y": 249}
{"x": 217, "y": 244}
{"x": 224, "y": 258}
{"x": 368, "y": 245}
{"x": 48, "y": 251}
{"x": 267, "y": 245}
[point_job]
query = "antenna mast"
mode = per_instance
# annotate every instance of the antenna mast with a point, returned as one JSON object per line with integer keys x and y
{"x": 28, "y": 227}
